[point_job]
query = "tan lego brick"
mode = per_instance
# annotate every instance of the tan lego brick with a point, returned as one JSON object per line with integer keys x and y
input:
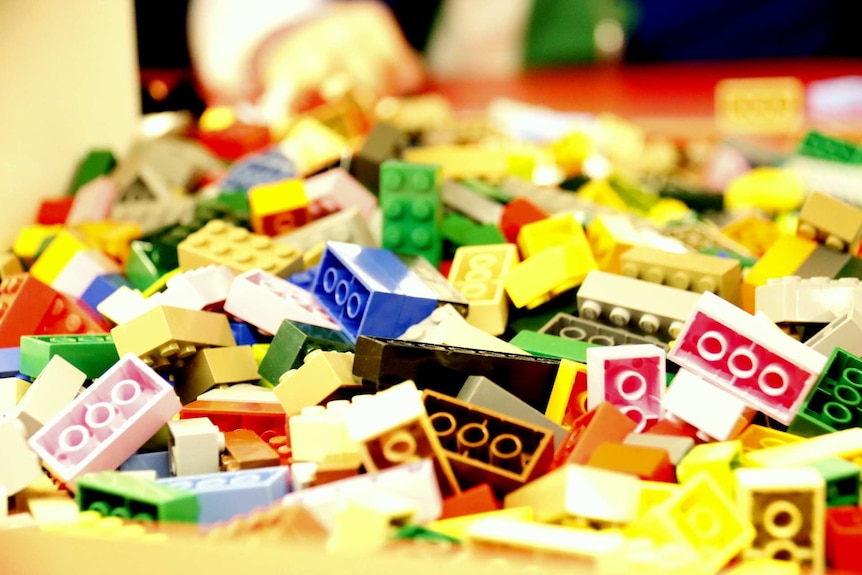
{"x": 831, "y": 222}
{"x": 216, "y": 366}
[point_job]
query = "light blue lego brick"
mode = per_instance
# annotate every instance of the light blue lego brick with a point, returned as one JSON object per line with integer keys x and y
{"x": 369, "y": 291}
{"x": 224, "y": 495}
{"x": 262, "y": 168}
{"x": 10, "y": 361}
{"x": 156, "y": 461}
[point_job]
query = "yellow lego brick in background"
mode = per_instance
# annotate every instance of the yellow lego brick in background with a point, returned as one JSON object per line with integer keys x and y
{"x": 31, "y": 239}
{"x": 756, "y": 233}
{"x": 161, "y": 283}
{"x": 619, "y": 139}
{"x": 463, "y": 161}
{"x": 366, "y": 523}
{"x": 112, "y": 237}
{"x": 542, "y": 277}
{"x": 278, "y": 207}
{"x": 9, "y": 265}
{"x": 51, "y": 262}
{"x": 760, "y": 437}
{"x": 760, "y": 105}
{"x": 718, "y": 460}
{"x": 416, "y": 113}
{"x": 478, "y": 272}
{"x": 766, "y": 188}
{"x": 655, "y": 493}
{"x": 571, "y": 150}
{"x": 610, "y": 237}
{"x": 457, "y": 527}
{"x": 557, "y": 230}
{"x": 312, "y": 146}
{"x": 219, "y": 242}
{"x": 601, "y": 193}
{"x": 846, "y": 444}
{"x": 783, "y": 258}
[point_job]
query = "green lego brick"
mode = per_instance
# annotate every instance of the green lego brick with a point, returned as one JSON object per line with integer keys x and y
{"x": 554, "y": 346}
{"x": 842, "y": 481}
{"x": 141, "y": 270}
{"x": 818, "y": 145}
{"x": 835, "y": 402}
{"x": 93, "y": 354}
{"x": 698, "y": 200}
{"x": 96, "y": 163}
{"x": 744, "y": 261}
{"x": 634, "y": 195}
{"x": 121, "y": 495}
{"x": 293, "y": 342}
{"x": 412, "y": 207}
{"x": 230, "y": 206}
{"x": 852, "y": 269}
{"x": 423, "y": 535}
{"x": 462, "y": 231}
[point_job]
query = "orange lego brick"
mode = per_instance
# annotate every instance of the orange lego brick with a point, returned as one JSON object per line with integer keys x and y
{"x": 266, "y": 419}
{"x": 477, "y": 499}
{"x": 246, "y": 450}
{"x": 604, "y": 423}
{"x": 66, "y": 316}
{"x": 648, "y": 463}
{"x": 222, "y": 243}
{"x": 783, "y": 258}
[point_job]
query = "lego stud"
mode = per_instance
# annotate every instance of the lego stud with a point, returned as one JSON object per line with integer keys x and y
{"x": 574, "y": 333}
{"x": 742, "y": 363}
{"x": 169, "y": 349}
{"x": 393, "y": 236}
{"x": 711, "y": 346}
{"x": 630, "y": 270}
{"x": 836, "y": 415}
{"x": 705, "y": 284}
{"x": 399, "y": 446}
{"x": 74, "y": 323}
{"x": 422, "y": 210}
{"x": 472, "y": 441}
{"x": 421, "y": 181}
{"x": 704, "y": 522}
{"x": 773, "y": 380}
{"x": 590, "y": 310}
{"x": 631, "y": 385}
{"x": 649, "y": 323}
{"x": 835, "y": 243}
{"x": 807, "y": 231}
{"x": 675, "y": 329}
{"x": 852, "y": 376}
{"x": 100, "y": 507}
{"x": 679, "y": 280}
{"x": 654, "y": 275}
{"x": 620, "y": 316}
{"x": 506, "y": 450}
{"x": 444, "y": 425}
{"x": 420, "y": 238}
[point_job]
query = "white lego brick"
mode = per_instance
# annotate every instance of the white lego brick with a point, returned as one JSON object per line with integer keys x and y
{"x": 93, "y": 201}
{"x": 475, "y": 206}
{"x": 194, "y": 446}
{"x": 537, "y": 537}
{"x": 80, "y": 271}
{"x": 415, "y": 481}
{"x": 265, "y": 300}
{"x": 19, "y": 521}
{"x": 810, "y": 300}
{"x": 726, "y": 346}
{"x": 242, "y": 392}
{"x": 630, "y": 377}
{"x": 577, "y": 491}
{"x": 123, "y": 305}
{"x": 386, "y": 410}
{"x": 319, "y": 433}
{"x": 57, "y": 385}
{"x": 347, "y": 225}
{"x": 21, "y": 466}
{"x": 654, "y": 308}
{"x": 4, "y": 503}
{"x": 12, "y": 390}
{"x": 50, "y": 512}
{"x": 715, "y": 412}
{"x": 341, "y": 190}
{"x": 321, "y": 373}
{"x": 203, "y": 288}
{"x": 445, "y": 326}
{"x": 787, "y": 508}
{"x": 844, "y": 332}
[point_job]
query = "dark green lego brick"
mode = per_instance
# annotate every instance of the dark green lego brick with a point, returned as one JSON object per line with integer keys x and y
{"x": 129, "y": 497}
{"x": 842, "y": 481}
{"x": 93, "y": 354}
{"x": 96, "y": 163}
{"x": 835, "y": 402}
{"x": 384, "y": 142}
{"x": 293, "y": 342}
{"x": 140, "y": 269}
{"x": 553, "y": 346}
{"x": 818, "y": 145}
{"x": 423, "y": 535}
{"x": 852, "y": 269}
{"x": 698, "y": 200}
{"x": 232, "y": 207}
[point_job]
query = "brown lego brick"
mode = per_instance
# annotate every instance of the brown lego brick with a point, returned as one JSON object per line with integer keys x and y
{"x": 246, "y": 450}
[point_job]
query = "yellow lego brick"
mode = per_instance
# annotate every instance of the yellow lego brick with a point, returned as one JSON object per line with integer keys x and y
{"x": 718, "y": 460}
{"x": 642, "y": 556}
{"x": 9, "y": 265}
{"x": 416, "y": 113}
{"x": 846, "y": 444}
{"x": 600, "y": 192}
{"x": 161, "y": 283}
{"x": 556, "y": 539}
{"x": 610, "y": 237}
{"x": 312, "y": 146}
{"x": 49, "y": 511}
{"x": 463, "y": 161}
{"x": 219, "y": 242}
{"x": 521, "y": 164}
{"x": 655, "y": 493}
{"x": 764, "y": 567}
{"x": 766, "y": 188}
{"x": 366, "y": 523}
{"x": 112, "y": 237}
{"x": 561, "y": 404}
{"x": 478, "y": 272}
{"x": 167, "y": 335}
{"x": 216, "y": 119}
{"x": 760, "y": 437}
{"x": 619, "y": 139}
{"x": 699, "y": 515}
{"x": 689, "y": 271}
{"x": 321, "y": 373}
{"x": 756, "y": 233}
{"x": 556, "y": 230}
{"x": 783, "y": 258}
{"x": 571, "y": 150}
{"x": 760, "y": 105}
{"x": 457, "y": 527}
{"x": 91, "y": 524}
{"x": 55, "y": 257}
{"x": 278, "y": 207}
{"x": 32, "y": 238}
{"x": 547, "y": 274}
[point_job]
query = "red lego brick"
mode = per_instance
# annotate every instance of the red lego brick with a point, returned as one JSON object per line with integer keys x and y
{"x": 517, "y": 214}
{"x": 478, "y": 499}
{"x": 54, "y": 210}
{"x": 236, "y": 140}
{"x": 648, "y": 463}
{"x": 24, "y": 301}
{"x": 604, "y": 423}
{"x": 265, "y": 419}
{"x": 844, "y": 538}
{"x": 65, "y": 316}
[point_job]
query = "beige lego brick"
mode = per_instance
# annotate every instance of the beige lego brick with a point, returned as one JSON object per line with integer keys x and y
{"x": 416, "y": 113}
{"x": 49, "y": 511}
{"x": 57, "y": 385}
{"x": 167, "y": 335}
{"x": 220, "y": 242}
{"x": 688, "y": 271}
{"x": 528, "y": 536}
{"x": 213, "y": 367}
{"x": 12, "y": 390}
{"x": 463, "y": 161}
{"x": 366, "y": 523}
{"x": 319, "y": 433}
{"x": 445, "y": 326}
{"x": 846, "y": 444}
{"x": 312, "y": 146}
{"x": 321, "y": 373}
{"x": 831, "y": 222}
{"x": 759, "y": 105}
{"x": 478, "y": 273}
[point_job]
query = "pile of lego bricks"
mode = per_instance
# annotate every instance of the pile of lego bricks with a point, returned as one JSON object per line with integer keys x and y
{"x": 366, "y": 329}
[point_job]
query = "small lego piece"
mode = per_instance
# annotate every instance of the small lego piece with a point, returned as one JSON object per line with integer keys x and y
{"x": 462, "y": 161}
{"x": 56, "y": 256}
{"x": 478, "y": 273}
{"x": 631, "y": 377}
{"x": 471, "y": 501}
{"x": 445, "y": 326}
{"x": 278, "y": 207}
{"x": 222, "y": 243}
{"x": 568, "y": 400}
{"x": 824, "y": 263}
{"x": 818, "y": 145}
{"x": 816, "y": 300}
{"x": 24, "y": 301}
{"x": 846, "y": 444}
{"x": 128, "y": 497}
{"x": 475, "y": 206}
{"x": 434, "y": 280}
{"x": 225, "y": 495}
{"x": 93, "y": 201}
{"x": 80, "y": 271}
{"x": 366, "y": 523}
{"x": 760, "y": 437}
{"x": 604, "y": 423}
{"x": 96, "y": 163}
{"x": 321, "y": 374}
{"x": 292, "y": 344}
{"x": 675, "y": 446}
{"x": 20, "y": 465}
{"x": 457, "y": 527}
{"x": 319, "y": 433}
{"x": 56, "y": 385}
{"x": 194, "y": 447}
{"x": 845, "y": 332}
{"x": 783, "y": 258}
{"x": 717, "y": 460}
{"x": 312, "y": 146}
{"x": 843, "y": 537}
{"x": 787, "y": 508}
{"x": 412, "y": 209}
{"x": 760, "y": 105}
{"x": 347, "y": 225}
{"x": 264, "y": 418}
{"x": 12, "y": 389}
{"x": 656, "y": 309}
{"x": 766, "y": 369}
{"x": 106, "y": 423}
{"x": 336, "y": 190}
{"x": 715, "y": 413}
{"x": 204, "y": 288}
{"x": 547, "y": 274}
{"x": 518, "y": 213}
{"x": 244, "y": 449}
{"x": 92, "y": 354}
{"x": 834, "y": 401}
{"x": 645, "y": 462}
{"x": 842, "y": 480}
{"x": 213, "y": 367}
{"x": 157, "y": 462}
{"x": 568, "y": 326}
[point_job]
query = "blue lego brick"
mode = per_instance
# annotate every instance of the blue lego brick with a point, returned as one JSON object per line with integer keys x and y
{"x": 369, "y": 291}
{"x": 243, "y": 333}
{"x": 10, "y": 361}
{"x": 412, "y": 209}
{"x": 262, "y": 168}
{"x": 223, "y": 496}
{"x": 102, "y": 287}
{"x": 305, "y": 279}
{"x": 157, "y": 461}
